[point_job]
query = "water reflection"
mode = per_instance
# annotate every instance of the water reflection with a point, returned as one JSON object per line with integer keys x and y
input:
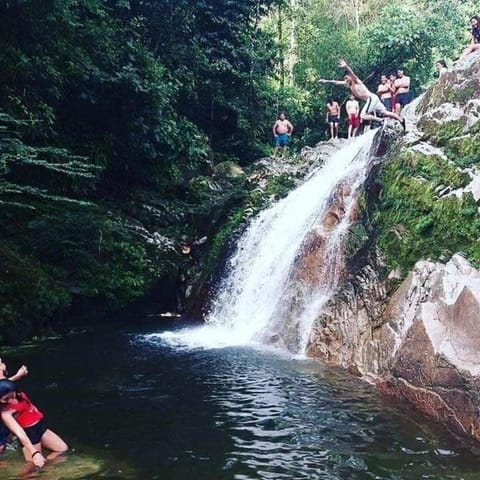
{"x": 144, "y": 410}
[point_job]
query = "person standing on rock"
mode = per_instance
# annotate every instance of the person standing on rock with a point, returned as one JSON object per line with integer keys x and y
{"x": 353, "y": 114}
{"x": 359, "y": 89}
{"x": 333, "y": 117}
{"x": 282, "y": 131}
{"x": 402, "y": 91}
{"x": 384, "y": 91}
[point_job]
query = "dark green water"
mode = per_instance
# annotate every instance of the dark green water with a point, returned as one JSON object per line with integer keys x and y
{"x": 144, "y": 410}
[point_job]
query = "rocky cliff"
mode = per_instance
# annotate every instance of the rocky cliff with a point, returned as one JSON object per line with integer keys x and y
{"x": 407, "y": 313}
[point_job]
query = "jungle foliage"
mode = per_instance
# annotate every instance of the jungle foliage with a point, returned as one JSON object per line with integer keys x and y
{"x": 114, "y": 115}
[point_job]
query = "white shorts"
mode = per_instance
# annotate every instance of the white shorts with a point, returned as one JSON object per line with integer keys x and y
{"x": 373, "y": 105}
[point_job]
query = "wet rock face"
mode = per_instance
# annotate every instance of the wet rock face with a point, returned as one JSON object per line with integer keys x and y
{"x": 342, "y": 335}
{"x": 434, "y": 328}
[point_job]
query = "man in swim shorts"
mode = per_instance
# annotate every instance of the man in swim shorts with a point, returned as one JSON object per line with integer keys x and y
{"x": 359, "y": 89}
{"x": 333, "y": 117}
{"x": 282, "y": 130}
{"x": 384, "y": 91}
{"x": 353, "y": 113}
{"x": 402, "y": 91}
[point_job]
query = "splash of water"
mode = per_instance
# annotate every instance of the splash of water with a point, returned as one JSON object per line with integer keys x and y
{"x": 259, "y": 301}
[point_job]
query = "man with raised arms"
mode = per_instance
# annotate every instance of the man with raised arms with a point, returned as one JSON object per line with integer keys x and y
{"x": 359, "y": 89}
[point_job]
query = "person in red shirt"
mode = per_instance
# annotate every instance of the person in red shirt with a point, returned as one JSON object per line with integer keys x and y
{"x": 22, "y": 372}
{"x": 25, "y": 421}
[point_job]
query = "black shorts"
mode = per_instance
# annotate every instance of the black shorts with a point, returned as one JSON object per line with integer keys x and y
{"x": 403, "y": 98}
{"x": 35, "y": 432}
{"x": 333, "y": 119}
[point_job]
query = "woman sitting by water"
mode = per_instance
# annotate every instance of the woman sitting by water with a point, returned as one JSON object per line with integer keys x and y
{"x": 475, "y": 42}
{"x": 25, "y": 421}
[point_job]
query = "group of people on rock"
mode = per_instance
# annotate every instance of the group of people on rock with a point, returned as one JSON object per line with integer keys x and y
{"x": 375, "y": 108}
{"x": 393, "y": 93}
{"x": 21, "y": 418}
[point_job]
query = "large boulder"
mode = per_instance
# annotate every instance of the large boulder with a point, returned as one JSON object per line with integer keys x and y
{"x": 432, "y": 339}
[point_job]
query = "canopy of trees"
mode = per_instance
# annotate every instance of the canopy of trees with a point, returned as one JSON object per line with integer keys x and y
{"x": 107, "y": 105}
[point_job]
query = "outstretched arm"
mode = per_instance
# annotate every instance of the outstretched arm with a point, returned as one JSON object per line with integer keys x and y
{"x": 343, "y": 64}
{"x": 22, "y": 372}
{"x": 335, "y": 82}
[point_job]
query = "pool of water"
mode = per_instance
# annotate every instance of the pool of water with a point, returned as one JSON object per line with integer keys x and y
{"x": 134, "y": 407}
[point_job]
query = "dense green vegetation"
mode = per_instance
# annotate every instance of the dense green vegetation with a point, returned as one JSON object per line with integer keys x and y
{"x": 116, "y": 117}
{"x": 414, "y": 223}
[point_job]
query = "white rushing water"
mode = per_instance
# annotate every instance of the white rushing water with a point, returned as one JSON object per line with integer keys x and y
{"x": 255, "y": 297}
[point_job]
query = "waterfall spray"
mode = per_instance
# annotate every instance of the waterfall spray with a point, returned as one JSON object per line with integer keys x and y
{"x": 264, "y": 297}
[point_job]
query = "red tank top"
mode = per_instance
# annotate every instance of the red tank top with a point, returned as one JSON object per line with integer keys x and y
{"x": 25, "y": 412}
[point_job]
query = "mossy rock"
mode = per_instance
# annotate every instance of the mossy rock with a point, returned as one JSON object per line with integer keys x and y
{"x": 457, "y": 87}
{"x": 229, "y": 171}
{"x": 464, "y": 150}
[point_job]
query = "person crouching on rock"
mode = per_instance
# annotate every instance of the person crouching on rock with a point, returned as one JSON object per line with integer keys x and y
{"x": 26, "y": 422}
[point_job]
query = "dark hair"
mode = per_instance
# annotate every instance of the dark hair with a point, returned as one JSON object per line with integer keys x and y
{"x": 442, "y": 63}
{"x": 330, "y": 100}
{"x": 476, "y": 17}
{"x": 7, "y": 386}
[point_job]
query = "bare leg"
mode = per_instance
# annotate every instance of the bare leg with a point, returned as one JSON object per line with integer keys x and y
{"x": 354, "y": 134}
{"x": 368, "y": 116}
{"x": 471, "y": 48}
{"x": 51, "y": 441}
{"x": 336, "y": 130}
{"x": 331, "y": 130}
{"x": 350, "y": 127}
{"x": 275, "y": 152}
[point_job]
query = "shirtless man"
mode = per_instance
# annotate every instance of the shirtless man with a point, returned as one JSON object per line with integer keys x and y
{"x": 402, "y": 91}
{"x": 282, "y": 130}
{"x": 333, "y": 117}
{"x": 372, "y": 102}
{"x": 384, "y": 91}
{"x": 353, "y": 113}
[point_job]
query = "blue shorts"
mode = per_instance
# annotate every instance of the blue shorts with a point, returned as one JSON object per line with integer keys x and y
{"x": 388, "y": 103}
{"x": 403, "y": 98}
{"x": 332, "y": 119}
{"x": 281, "y": 140}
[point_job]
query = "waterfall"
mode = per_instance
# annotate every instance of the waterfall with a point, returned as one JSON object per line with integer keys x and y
{"x": 263, "y": 297}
